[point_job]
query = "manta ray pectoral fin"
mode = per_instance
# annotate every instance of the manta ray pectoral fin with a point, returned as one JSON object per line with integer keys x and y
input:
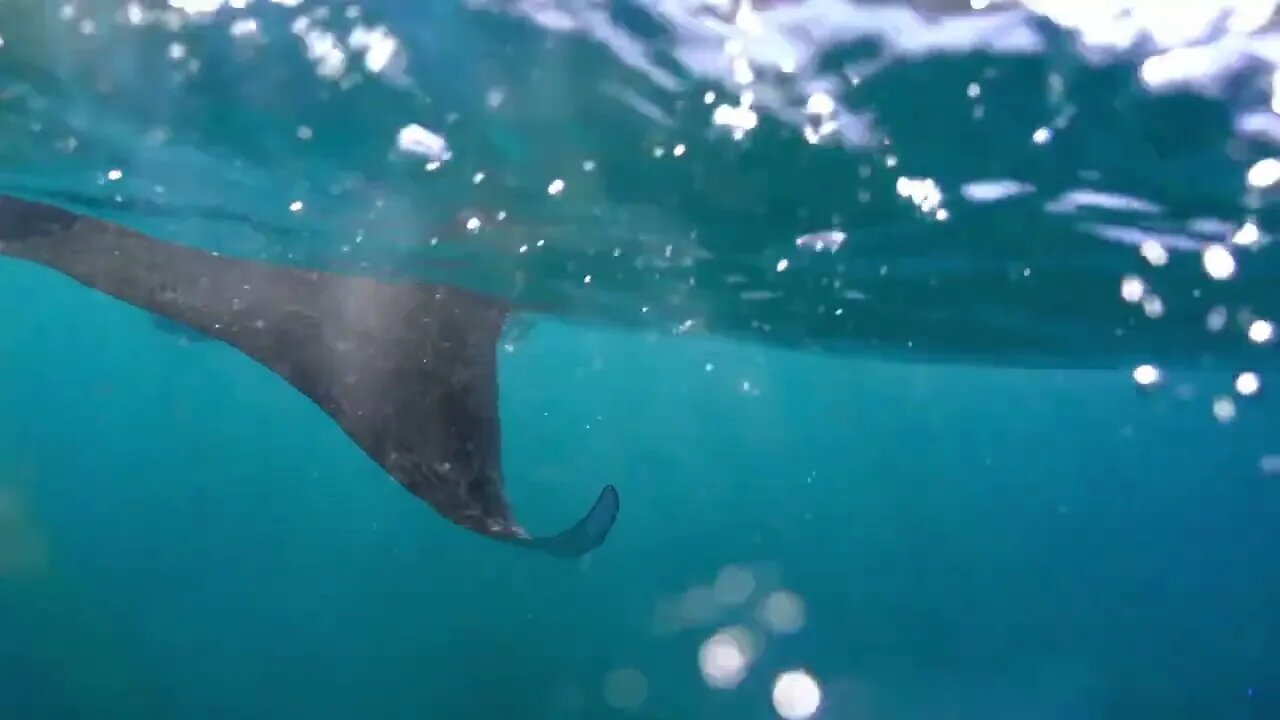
{"x": 407, "y": 370}
{"x": 587, "y": 535}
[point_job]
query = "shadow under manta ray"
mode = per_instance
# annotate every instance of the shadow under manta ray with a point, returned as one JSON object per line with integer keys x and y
{"x": 408, "y": 371}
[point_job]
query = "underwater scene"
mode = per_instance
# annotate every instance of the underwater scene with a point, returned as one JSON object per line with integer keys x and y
{"x": 652, "y": 359}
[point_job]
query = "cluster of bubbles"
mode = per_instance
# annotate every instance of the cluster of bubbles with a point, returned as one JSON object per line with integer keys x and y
{"x": 743, "y": 606}
{"x": 1219, "y": 262}
{"x": 1197, "y": 45}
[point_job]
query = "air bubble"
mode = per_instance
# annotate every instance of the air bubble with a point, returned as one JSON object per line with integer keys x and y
{"x": 1132, "y": 288}
{"x": 796, "y": 695}
{"x": 1216, "y": 319}
{"x": 1261, "y": 331}
{"x": 1153, "y": 306}
{"x": 1248, "y": 383}
{"x": 626, "y": 689}
{"x": 413, "y": 139}
{"x": 1218, "y": 262}
{"x": 1154, "y": 252}
{"x": 1264, "y": 173}
{"x": 1247, "y": 235}
{"x": 1146, "y": 375}
{"x": 734, "y": 584}
{"x": 723, "y": 658}
{"x": 783, "y": 612}
{"x": 1269, "y": 464}
{"x": 828, "y": 240}
{"x": 820, "y": 103}
{"x": 1224, "y": 408}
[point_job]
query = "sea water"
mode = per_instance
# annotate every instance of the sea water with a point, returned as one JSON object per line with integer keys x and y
{"x": 928, "y": 347}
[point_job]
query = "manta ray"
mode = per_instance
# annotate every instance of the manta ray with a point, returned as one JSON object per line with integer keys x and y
{"x": 408, "y": 371}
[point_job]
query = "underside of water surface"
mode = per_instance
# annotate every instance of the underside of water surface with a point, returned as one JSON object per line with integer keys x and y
{"x": 1036, "y": 183}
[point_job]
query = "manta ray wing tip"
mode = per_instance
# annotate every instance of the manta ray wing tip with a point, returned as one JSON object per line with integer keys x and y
{"x": 588, "y": 533}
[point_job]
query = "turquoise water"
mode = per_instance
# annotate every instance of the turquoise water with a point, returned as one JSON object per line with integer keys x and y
{"x": 183, "y": 535}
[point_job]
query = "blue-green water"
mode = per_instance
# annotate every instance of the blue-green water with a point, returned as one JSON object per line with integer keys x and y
{"x": 183, "y": 535}
{"x": 968, "y": 543}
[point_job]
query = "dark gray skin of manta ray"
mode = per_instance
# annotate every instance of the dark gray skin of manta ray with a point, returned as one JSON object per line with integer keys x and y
{"x": 408, "y": 371}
